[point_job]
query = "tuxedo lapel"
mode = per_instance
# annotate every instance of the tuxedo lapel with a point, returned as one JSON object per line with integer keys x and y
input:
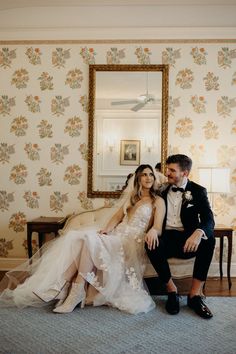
{"x": 184, "y": 201}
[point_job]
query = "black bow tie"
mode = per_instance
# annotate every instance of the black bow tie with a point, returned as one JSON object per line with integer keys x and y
{"x": 176, "y": 189}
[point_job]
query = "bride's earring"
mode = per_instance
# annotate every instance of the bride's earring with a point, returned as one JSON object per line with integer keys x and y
{"x": 76, "y": 295}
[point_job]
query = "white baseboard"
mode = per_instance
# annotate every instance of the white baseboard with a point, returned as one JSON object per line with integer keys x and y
{"x": 10, "y": 263}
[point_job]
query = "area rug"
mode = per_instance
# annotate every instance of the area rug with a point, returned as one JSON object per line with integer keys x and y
{"x": 108, "y": 331}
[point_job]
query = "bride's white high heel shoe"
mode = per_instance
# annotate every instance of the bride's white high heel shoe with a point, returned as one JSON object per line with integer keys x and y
{"x": 53, "y": 294}
{"x": 76, "y": 295}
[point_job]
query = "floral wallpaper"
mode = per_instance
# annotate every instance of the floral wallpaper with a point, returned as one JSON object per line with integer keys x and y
{"x": 44, "y": 123}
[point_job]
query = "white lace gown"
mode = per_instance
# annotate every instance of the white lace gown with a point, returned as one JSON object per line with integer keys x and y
{"x": 119, "y": 262}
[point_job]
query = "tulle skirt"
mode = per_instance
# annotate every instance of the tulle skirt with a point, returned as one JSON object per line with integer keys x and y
{"x": 116, "y": 278}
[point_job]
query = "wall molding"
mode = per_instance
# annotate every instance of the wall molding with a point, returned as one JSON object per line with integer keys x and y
{"x": 106, "y": 35}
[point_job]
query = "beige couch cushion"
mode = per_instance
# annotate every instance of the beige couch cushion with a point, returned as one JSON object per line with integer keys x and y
{"x": 180, "y": 268}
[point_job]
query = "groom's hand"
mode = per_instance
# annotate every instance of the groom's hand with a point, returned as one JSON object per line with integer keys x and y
{"x": 192, "y": 243}
{"x": 151, "y": 238}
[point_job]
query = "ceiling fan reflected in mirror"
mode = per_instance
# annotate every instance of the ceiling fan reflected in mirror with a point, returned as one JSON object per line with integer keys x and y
{"x": 140, "y": 101}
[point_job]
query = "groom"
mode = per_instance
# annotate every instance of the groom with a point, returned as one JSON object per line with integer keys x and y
{"x": 187, "y": 232}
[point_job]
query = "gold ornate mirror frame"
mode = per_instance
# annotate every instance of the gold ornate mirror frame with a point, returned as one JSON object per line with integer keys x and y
{"x": 93, "y": 69}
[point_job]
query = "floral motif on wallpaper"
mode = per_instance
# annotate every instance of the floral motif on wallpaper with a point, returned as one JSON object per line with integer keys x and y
{"x": 73, "y": 126}
{"x": 172, "y": 105}
{"x": 33, "y": 103}
{"x": 211, "y": 130}
{"x": 59, "y": 104}
{"x": 31, "y": 199}
{"x": 44, "y": 177}
{"x": 19, "y": 126}
{"x": 225, "y": 56}
{"x": 184, "y": 127}
{"x": 58, "y": 153}
{"x": 20, "y": 78}
{"x": 17, "y": 222}
{"x": 225, "y": 155}
{"x": 86, "y": 203}
{"x": 5, "y": 152}
{"x": 114, "y": 55}
{"x": 88, "y": 55}
{"x": 197, "y": 152}
{"x": 6, "y": 57}
{"x": 211, "y": 81}
{"x": 5, "y": 246}
{"x": 74, "y": 78}
{"x": 224, "y": 105}
{"x": 34, "y": 55}
{"x": 18, "y": 174}
{"x": 184, "y": 78}
{"x": 6, "y": 104}
{"x": 198, "y": 103}
{"x": 45, "y": 129}
{"x": 73, "y": 174}
{"x": 32, "y": 151}
{"x": 46, "y": 81}
{"x": 84, "y": 102}
{"x": 170, "y": 55}
{"x": 59, "y": 57}
{"x": 143, "y": 55}
{"x": 84, "y": 151}
{"x": 5, "y": 200}
{"x": 199, "y": 55}
{"x": 57, "y": 201}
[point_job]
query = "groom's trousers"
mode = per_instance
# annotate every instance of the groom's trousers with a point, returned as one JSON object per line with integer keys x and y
{"x": 171, "y": 244}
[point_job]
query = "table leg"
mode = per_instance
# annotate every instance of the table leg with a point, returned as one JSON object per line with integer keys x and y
{"x": 41, "y": 239}
{"x": 221, "y": 256}
{"x": 230, "y": 245}
{"x": 29, "y": 241}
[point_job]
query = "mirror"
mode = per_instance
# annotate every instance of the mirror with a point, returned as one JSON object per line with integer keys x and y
{"x": 128, "y": 109}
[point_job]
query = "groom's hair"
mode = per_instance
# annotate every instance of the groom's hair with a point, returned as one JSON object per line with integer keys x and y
{"x": 184, "y": 162}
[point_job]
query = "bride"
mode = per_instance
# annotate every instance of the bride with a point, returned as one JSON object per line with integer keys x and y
{"x": 90, "y": 267}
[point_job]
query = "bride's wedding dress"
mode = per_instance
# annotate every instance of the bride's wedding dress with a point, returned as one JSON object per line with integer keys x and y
{"x": 118, "y": 261}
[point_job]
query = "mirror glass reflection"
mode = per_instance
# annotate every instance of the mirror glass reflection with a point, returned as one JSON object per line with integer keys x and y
{"x": 127, "y": 114}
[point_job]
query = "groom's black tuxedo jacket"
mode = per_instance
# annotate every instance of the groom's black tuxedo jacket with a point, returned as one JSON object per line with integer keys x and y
{"x": 195, "y": 213}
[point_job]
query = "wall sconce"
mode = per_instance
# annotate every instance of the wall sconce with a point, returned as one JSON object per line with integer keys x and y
{"x": 110, "y": 143}
{"x": 149, "y": 144}
{"x": 215, "y": 180}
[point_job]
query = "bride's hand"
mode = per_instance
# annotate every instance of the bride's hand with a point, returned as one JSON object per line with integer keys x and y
{"x": 151, "y": 238}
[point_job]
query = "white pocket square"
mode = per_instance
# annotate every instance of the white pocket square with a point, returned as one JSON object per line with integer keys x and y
{"x": 190, "y": 205}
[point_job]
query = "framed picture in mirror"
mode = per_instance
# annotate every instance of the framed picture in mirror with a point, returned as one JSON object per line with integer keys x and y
{"x": 130, "y": 152}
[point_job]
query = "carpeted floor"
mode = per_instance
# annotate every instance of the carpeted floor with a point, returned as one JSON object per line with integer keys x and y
{"x": 109, "y": 331}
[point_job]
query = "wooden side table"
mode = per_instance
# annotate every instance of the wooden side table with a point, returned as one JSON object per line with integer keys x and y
{"x": 221, "y": 232}
{"x": 42, "y": 226}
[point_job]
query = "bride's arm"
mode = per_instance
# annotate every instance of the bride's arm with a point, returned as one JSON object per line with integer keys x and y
{"x": 114, "y": 221}
{"x": 159, "y": 215}
{"x": 151, "y": 237}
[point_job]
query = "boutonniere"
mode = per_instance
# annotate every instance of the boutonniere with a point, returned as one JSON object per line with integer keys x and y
{"x": 187, "y": 196}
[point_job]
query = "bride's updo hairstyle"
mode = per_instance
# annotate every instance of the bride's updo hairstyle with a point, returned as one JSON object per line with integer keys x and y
{"x": 136, "y": 193}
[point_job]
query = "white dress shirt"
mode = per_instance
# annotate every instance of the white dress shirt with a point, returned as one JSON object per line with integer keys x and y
{"x": 174, "y": 203}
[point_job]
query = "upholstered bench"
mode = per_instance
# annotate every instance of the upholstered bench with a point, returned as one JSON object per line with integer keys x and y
{"x": 180, "y": 268}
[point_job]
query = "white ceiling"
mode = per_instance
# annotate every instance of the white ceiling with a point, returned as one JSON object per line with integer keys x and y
{"x": 11, "y": 4}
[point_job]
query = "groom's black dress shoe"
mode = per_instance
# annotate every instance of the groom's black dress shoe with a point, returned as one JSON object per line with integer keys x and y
{"x": 172, "y": 304}
{"x": 196, "y": 303}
